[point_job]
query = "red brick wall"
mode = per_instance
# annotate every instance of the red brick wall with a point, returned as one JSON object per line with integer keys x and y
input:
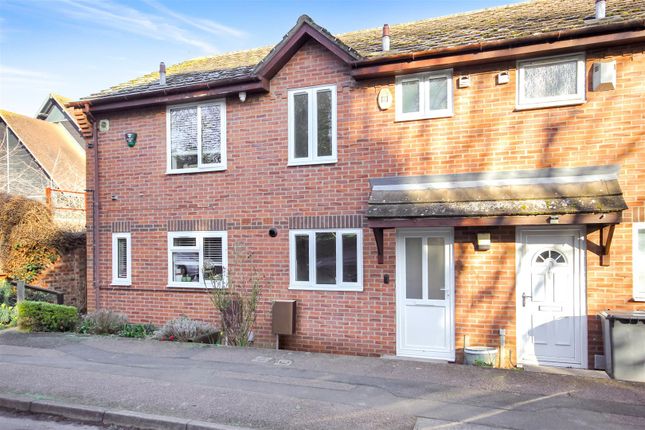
{"x": 68, "y": 276}
{"x": 259, "y": 191}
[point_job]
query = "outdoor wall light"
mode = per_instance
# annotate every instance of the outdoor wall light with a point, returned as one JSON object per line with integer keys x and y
{"x": 273, "y": 232}
{"x": 242, "y": 96}
{"x": 131, "y": 139}
{"x": 483, "y": 241}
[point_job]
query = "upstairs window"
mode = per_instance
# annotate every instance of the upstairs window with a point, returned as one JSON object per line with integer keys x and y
{"x": 326, "y": 259}
{"x": 553, "y": 81}
{"x": 638, "y": 260}
{"x": 121, "y": 259}
{"x": 196, "y": 259}
{"x": 312, "y": 125}
{"x": 196, "y": 137}
{"x": 424, "y": 95}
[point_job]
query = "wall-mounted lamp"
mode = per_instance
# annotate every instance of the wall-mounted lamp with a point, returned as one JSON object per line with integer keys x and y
{"x": 554, "y": 219}
{"x": 463, "y": 81}
{"x": 503, "y": 78}
{"x": 273, "y": 232}
{"x": 242, "y": 96}
{"x": 483, "y": 241}
{"x": 131, "y": 139}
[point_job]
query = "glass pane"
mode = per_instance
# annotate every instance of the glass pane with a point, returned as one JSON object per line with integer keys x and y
{"x": 436, "y": 269}
{"x": 302, "y": 258}
{"x": 183, "y": 137}
{"x": 413, "y": 268}
{"x": 323, "y": 100}
{"x": 213, "y": 258}
{"x": 410, "y": 94}
{"x": 122, "y": 257}
{"x": 301, "y": 125}
{"x": 184, "y": 241}
{"x": 326, "y": 258}
{"x": 185, "y": 266}
{"x": 211, "y": 134}
{"x": 550, "y": 80}
{"x": 438, "y": 94}
{"x": 350, "y": 258}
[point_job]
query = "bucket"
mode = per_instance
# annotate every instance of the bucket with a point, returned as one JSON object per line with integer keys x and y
{"x": 480, "y": 355}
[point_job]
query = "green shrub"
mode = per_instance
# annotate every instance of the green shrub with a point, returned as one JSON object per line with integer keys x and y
{"x": 42, "y": 316}
{"x": 7, "y": 316}
{"x": 103, "y": 321}
{"x": 137, "y": 330}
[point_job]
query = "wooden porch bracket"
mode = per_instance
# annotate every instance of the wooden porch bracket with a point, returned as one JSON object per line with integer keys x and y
{"x": 606, "y": 236}
{"x": 378, "y": 235}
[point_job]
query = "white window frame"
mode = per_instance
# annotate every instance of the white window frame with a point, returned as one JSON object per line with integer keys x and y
{"x": 200, "y": 166}
{"x": 115, "y": 259}
{"x": 565, "y": 100}
{"x": 313, "y": 127}
{"x": 311, "y": 284}
{"x": 637, "y": 262}
{"x": 199, "y": 248}
{"x": 424, "y": 111}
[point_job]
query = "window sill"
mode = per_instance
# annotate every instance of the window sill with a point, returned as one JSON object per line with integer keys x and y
{"x": 519, "y": 108}
{"x": 638, "y": 299}
{"x": 311, "y": 162}
{"x": 196, "y": 170}
{"x": 402, "y": 118}
{"x": 121, "y": 284}
{"x": 335, "y": 288}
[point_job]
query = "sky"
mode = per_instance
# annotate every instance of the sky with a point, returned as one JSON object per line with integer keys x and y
{"x": 78, "y": 47}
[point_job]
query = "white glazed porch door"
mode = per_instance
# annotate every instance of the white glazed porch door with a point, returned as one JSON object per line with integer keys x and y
{"x": 550, "y": 298}
{"x": 425, "y": 294}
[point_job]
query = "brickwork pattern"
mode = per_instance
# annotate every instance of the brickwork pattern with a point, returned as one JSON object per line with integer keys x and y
{"x": 259, "y": 191}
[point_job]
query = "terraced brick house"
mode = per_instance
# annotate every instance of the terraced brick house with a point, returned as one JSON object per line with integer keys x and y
{"x": 426, "y": 185}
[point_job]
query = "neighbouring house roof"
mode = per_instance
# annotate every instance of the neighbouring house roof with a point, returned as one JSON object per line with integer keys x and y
{"x": 509, "y": 22}
{"x": 553, "y": 191}
{"x": 52, "y": 147}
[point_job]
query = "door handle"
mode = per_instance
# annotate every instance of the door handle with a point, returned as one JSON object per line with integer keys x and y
{"x": 524, "y": 297}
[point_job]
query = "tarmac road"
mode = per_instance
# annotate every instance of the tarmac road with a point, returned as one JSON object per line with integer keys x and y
{"x": 264, "y": 388}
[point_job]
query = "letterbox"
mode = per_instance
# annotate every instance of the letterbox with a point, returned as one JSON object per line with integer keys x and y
{"x": 284, "y": 317}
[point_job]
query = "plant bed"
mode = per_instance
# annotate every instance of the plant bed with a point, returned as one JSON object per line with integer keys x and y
{"x": 184, "y": 329}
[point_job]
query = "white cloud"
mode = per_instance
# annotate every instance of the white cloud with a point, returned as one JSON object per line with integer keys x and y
{"x": 14, "y": 75}
{"x": 165, "y": 25}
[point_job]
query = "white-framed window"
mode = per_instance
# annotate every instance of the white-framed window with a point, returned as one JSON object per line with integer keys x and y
{"x": 424, "y": 95}
{"x": 327, "y": 259}
{"x": 121, "y": 259}
{"x": 638, "y": 260}
{"x": 312, "y": 125}
{"x": 197, "y": 259}
{"x": 196, "y": 137}
{"x": 552, "y": 81}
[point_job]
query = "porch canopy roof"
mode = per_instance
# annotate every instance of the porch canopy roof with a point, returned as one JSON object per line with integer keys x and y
{"x": 583, "y": 195}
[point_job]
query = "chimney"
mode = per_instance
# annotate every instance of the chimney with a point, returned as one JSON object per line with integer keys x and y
{"x": 600, "y": 9}
{"x": 162, "y": 73}
{"x": 386, "y": 38}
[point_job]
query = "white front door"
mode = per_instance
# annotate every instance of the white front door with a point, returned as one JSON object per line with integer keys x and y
{"x": 551, "y": 310}
{"x": 425, "y": 294}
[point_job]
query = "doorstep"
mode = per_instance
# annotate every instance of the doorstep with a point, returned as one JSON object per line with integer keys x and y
{"x": 588, "y": 373}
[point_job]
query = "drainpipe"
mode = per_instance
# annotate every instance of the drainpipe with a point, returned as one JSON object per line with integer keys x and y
{"x": 95, "y": 215}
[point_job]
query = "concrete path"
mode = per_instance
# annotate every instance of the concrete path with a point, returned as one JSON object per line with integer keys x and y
{"x": 261, "y": 388}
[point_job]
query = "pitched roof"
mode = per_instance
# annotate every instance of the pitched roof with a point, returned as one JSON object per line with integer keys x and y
{"x": 500, "y": 23}
{"x": 52, "y": 147}
{"x": 551, "y": 191}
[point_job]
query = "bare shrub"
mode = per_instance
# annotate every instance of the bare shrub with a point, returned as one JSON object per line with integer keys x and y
{"x": 103, "y": 321}
{"x": 184, "y": 329}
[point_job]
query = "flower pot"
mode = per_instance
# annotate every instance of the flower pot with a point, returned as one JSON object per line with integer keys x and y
{"x": 480, "y": 356}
